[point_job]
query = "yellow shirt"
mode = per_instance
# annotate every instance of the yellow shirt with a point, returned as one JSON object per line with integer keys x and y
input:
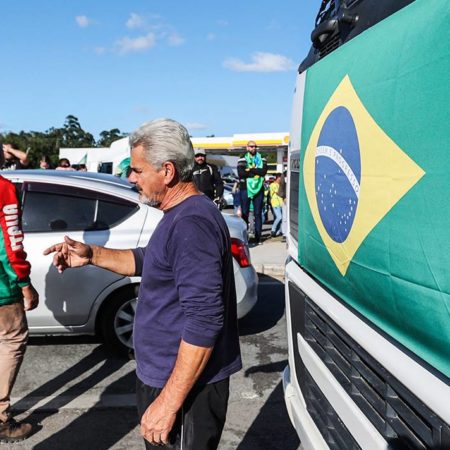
{"x": 275, "y": 199}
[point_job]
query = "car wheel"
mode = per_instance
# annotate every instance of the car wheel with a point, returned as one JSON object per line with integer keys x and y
{"x": 117, "y": 319}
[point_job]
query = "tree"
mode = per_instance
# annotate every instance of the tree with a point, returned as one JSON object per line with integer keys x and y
{"x": 74, "y": 135}
{"x": 108, "y": 137}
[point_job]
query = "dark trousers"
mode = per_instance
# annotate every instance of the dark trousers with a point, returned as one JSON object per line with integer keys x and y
{"x": 258, "y": 201}
{"x": 200, "y": 421}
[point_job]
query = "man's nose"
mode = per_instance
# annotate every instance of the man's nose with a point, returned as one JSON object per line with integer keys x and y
{"x": 132, "y": 178}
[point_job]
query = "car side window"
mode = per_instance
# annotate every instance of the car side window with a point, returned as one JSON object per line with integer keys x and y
{"x": 44, "y": 212}
{"x": 112, "y": 212}
{"x": 48, "y": 208}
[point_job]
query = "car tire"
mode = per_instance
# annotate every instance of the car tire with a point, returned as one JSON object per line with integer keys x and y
{"x": 116, "y": 320}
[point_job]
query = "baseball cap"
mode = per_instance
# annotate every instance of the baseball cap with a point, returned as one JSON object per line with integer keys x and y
{"x": 199, "y": 151}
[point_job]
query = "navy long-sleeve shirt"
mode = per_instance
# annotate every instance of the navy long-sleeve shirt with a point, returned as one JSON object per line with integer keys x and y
{"x": 187, "y": 292}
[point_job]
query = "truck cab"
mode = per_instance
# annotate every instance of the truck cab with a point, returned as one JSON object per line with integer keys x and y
{"x": 368, "y": 275}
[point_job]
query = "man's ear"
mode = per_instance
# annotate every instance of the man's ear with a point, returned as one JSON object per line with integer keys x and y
{"x": 170, "y": 172}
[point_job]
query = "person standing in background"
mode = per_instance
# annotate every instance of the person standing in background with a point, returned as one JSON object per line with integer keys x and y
{"x": 277, "y": 197}
{"x": 13, "y": 158}
{"x": 17, "y": 295}
{"x": 252, "y": 168}
{"x": 45, "y": 163}
{"x": 207, "y": 177}
{"x": 64, "y": 164}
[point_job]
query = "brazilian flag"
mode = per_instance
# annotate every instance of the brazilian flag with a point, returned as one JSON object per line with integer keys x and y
{"x": 374, "y": 206}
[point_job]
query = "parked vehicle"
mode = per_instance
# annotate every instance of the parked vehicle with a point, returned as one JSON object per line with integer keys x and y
{"x": 367, "y": 280}
{"x": 103, "y": 210}
{"x": 227, "y": 199}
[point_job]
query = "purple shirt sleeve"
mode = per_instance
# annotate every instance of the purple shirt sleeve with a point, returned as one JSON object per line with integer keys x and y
{"x": 195, "y": 250}
{"x": 139, "y": 254}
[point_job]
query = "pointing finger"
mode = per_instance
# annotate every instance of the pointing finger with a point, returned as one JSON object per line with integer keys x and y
{"x": 53, "y": 248}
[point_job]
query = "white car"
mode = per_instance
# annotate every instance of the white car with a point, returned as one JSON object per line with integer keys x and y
{"x": 103, "y": 210}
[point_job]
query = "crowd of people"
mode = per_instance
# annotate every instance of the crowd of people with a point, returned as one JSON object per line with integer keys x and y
{"x": 15, "y": 159}
{"x": 254, "y": 193}
{"x": 184, "y": 365}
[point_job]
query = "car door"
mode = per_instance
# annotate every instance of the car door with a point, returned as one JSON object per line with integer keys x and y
{"x": 52, "y": 211}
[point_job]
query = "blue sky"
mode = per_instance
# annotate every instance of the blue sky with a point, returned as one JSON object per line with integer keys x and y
{"x": 218, "y": 68}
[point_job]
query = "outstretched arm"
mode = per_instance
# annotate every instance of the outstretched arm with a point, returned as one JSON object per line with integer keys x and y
{"x": 70, "y": 254}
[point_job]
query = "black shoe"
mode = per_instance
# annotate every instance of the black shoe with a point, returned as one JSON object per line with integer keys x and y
{"x": 12, "y": 431}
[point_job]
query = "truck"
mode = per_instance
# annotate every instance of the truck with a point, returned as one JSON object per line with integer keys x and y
{"x": 367, "y": 281}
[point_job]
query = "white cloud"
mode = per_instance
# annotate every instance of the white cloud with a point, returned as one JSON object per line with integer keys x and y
{"x": 83, "y": 21}
{"x": 139, "y": 44}
{"x": 175, "y": 39}
{"x": 260, "y": 62}
{"x": 135, "y": 21}
{"x": 100, "y": 50}
{"x": 196, "y": 126}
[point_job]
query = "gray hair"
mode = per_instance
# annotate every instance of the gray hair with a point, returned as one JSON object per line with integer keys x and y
{"x": 166, "y": 140}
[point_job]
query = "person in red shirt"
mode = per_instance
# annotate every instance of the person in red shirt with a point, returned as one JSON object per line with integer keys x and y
{"x": 17, "y": 295}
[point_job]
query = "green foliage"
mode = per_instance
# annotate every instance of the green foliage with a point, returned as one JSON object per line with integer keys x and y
{"x": 108, "y": 137}
{"x": 71, "y": 134}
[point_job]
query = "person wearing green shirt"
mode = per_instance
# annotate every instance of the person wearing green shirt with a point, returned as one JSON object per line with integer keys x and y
{"x": 252, "y": 168}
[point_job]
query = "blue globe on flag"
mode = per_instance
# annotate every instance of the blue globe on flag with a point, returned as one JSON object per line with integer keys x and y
{"x": 338, "y": 173}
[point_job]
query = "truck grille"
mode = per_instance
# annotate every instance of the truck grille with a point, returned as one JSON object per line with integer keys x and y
{"x": 334, "y": 432}
{"x": 398, "y": 415}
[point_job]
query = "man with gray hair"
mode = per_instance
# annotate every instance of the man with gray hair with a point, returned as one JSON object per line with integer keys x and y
{"x": 185, "y": 333}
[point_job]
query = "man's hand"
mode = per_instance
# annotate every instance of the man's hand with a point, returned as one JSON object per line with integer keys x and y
{"x": 157, "y": 422}
{"x": 70, "y": 253}
{"x": 30, "y": 297}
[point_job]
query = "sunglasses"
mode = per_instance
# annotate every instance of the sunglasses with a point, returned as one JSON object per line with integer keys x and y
{"x": 252, "y": 146}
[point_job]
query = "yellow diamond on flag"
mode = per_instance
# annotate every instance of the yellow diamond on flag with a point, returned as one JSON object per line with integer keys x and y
{"x": 354, "y": 173}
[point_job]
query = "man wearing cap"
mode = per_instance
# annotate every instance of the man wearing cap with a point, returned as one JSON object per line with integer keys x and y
{"x": 207, "y": 177}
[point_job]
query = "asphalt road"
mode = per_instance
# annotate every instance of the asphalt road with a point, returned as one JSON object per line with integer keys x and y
{"x": 80, "y": 397}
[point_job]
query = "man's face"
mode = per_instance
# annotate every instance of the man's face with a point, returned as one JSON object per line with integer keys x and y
{"x": 251, "y": 147}
{"x": 149, "y": 181}
{"x": 200, "y": 159}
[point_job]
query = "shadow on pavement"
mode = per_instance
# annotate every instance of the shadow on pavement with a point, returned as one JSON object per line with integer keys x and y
{"x": 97, "y": 356}
{"x": 272, "y": 428}
{"x": 96, "y": 428}
{"x": 83, "y": 433}
{"x": 274, "y": 367}
{"x": 62, "y": 340}
{"x": 268, "y": 309}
